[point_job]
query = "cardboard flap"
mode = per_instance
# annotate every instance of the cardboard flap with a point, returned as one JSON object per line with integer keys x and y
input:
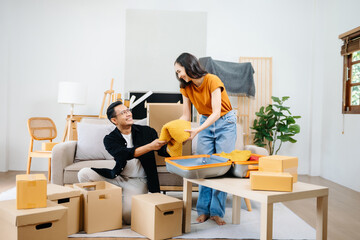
{"x": 56, "y": 192}
{"x": 51, "y": 213}
{"x": 170, "y": 206}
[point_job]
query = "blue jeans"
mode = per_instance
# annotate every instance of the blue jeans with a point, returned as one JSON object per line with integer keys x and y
{"x": 217, "y": 138}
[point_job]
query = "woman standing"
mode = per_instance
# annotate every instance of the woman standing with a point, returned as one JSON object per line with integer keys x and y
{"x": 217, "y": 130}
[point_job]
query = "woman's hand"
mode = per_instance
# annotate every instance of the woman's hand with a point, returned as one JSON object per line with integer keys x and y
{"x": 193, "y": 132}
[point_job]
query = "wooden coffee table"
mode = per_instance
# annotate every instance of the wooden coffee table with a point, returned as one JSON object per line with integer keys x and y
{"x": 240, "y": 188}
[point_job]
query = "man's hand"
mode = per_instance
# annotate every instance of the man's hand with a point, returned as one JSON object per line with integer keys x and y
{"x": 157, "y": 144}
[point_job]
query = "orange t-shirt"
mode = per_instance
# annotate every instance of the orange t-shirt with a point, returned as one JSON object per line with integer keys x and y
{"x": 200, "y": 96}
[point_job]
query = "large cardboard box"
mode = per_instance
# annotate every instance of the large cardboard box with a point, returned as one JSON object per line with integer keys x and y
{"x": 102, "y": 206}
{"x": 48, "y": 223}
{"x": 70, "y": 198}
{"x": 30, "y": 191}
{"x": 271, "y": 181}
{"x": 158, "y": 114}
{"x": 276, "y": 163}
{"x": 156, "y": 216}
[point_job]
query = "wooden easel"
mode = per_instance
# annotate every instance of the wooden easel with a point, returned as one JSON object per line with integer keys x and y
{"x": 112, "y": 98}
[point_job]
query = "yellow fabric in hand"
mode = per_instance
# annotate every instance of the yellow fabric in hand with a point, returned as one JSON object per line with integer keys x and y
{"x": 237, "y": 155}
{"x": 174, "y": 133}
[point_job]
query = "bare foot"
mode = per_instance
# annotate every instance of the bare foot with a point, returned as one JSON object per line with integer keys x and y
{"x": 218, "y": 220}
{"x": 202, "y": 218}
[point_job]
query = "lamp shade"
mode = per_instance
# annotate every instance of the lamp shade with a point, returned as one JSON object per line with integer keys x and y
{"x": 72, "y": 92}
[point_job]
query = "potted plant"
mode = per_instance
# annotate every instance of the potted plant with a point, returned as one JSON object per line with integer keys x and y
{"x": 275, "y": 123}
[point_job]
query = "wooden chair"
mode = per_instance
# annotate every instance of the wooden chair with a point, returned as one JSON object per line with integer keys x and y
{"x": 40, "y": 128}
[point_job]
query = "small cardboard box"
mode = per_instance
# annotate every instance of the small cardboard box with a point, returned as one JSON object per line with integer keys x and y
{"x": 158, "y": 114}
{"x": 30, "y": 191}
{"x": 48, "y": 223}
{"x": 69, "y": 198}
{"x": 278, "y": 163}
{"x": 102, "y": 206}
{"x": 271, "y": 181}
{"x": 156, "y": 216}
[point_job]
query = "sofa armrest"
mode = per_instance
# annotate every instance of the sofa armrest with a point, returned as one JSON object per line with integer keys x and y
{"x": 257, "y": 150}
{"x": 63, "y": 154}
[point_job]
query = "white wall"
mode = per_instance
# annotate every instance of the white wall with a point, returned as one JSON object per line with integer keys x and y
{"x": 4, "y": 53}
{"x": 154, "y": 39}
{"x": 339, "y": 153}
{"x": 84, "y": 40}
{"x": 53, "y": 41}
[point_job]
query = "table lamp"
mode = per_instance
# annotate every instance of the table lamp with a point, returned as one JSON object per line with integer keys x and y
{"x": 71, "y": 93}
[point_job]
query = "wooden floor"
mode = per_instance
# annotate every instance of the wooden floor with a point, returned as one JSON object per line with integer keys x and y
{"x": 343, "y": 216}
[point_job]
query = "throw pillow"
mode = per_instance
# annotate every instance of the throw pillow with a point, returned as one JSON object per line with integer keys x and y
{"x": 90, "y": 140}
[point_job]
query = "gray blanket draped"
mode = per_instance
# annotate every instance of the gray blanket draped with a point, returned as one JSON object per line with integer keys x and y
{"x": 237, "y": 77}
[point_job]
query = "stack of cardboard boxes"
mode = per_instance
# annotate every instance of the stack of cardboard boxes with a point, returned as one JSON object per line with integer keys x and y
{"x": 44, "y": 211}
{"x": 31, "y": 216}
{"x": 276, "y": 173}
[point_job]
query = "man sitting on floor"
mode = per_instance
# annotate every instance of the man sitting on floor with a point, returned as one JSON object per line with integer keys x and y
{"x": 132, "y": 147}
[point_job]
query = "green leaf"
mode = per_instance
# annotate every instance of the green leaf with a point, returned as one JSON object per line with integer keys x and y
{"x": 283, "y": 108}
{"x": 268, "y": 108}
{"x": 285, "y": 98}
{"x": 294, "y": 128}
{"x": 276, "y": 99}
{"x": 269, "y": 138}
{"x": 284, "y": 138}
{"x": 290, "y": 120}
{"x": 278, "y": 114}
{"x": 282, "y": 128}
{"x": 271, "y": 123}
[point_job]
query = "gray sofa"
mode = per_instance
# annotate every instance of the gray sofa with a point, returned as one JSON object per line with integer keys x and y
{"x": 69, "y": 157}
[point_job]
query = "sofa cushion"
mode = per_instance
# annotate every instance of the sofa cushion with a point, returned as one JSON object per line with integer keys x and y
{"x": 90, "y": 139}
{"x": 71, "y": 171}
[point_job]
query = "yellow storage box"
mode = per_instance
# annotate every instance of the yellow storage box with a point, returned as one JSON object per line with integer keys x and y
{"x": 271, "y": 181}
{"x": 278, "y": 163}
{"x": 30, "y": 191}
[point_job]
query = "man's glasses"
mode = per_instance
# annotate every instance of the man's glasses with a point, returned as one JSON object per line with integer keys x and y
{"x": 123, "y": 112}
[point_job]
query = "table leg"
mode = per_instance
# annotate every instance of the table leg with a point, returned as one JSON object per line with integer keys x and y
{"x": 321, "y": 218}
{"x": 266, "y": 221}
{"x": 187, "y": 198}
{"x": 236, "y": 209}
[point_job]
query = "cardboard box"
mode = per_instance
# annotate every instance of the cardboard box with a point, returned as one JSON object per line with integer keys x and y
{"x": 271, "y": 181}
{"x": 30, "y": 191}
{"x": 156, "y": 216}
{"x": 48, "y": 146}
{"x": 102, "y": 206}
{"x": 278, "y": 163}
{"x": 158, "y": 114}
{"x": 69, "y": 198}
{"x": 48, "y": 223}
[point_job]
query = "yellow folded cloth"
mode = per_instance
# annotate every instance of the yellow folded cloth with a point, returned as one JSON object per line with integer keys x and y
{"x": 237, "y": 155}
{"x": 174, "y": 133}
